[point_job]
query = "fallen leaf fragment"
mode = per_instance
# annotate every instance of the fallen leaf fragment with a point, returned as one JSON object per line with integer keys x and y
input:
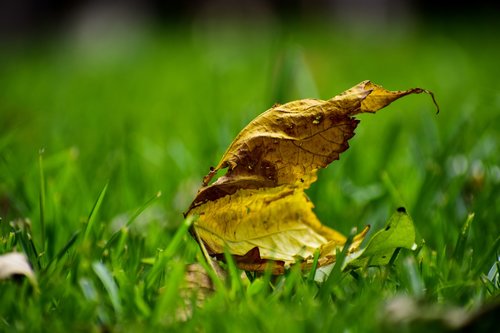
{"x": 258, "y": 209}
{"x": 195, "y": 289}
{"x": 403, "y": 313}
{"x": 15, "y": 263}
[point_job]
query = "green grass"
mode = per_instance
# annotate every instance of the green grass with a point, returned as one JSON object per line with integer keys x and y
{"x": 89, "y": 135}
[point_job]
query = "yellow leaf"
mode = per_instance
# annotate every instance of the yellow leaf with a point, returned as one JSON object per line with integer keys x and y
{"x": 278, "y": 221}
{"x": 258, "y": 209}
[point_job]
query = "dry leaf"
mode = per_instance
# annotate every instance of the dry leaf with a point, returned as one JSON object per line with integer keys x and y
{"x": 258, "y": 209}
{"x": 195, "y": 289}
{"x": 404, "y": 313}
{"x": 14, "y": 263}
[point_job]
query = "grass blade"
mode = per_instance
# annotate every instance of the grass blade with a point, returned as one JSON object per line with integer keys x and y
{"x": 22, "y": 232}
{"x": 336, "y": 273}
{"x": 168, "y": 307}
{"x": 171, "y": 249}
{"x": 143, "y": 208}
{"x": 64, "y": 249}
{"x": 131, "y": 220}
{"x": 93, "y": 213}
{"x": 42, "y": 197}
{"x": 491, "y": 256}
{"x": 109, "y": 284}
{"x": 462, "y": 238}
{"x": 234, "y": 275}
{"x": 314, "y": 267}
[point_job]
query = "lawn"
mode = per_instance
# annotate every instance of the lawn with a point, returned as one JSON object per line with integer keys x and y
{"x": 103, "y": 144}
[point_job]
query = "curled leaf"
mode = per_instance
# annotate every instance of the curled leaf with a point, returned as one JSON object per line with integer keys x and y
{"x": 258, "y": 209}
{"x": 289, "y": 143}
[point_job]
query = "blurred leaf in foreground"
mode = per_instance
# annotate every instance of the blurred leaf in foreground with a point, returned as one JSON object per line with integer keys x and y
{"x": 258, "y": 210}
{"x": 15, "y": 263}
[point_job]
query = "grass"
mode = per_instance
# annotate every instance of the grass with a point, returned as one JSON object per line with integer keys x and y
{"x": 90, "y": 133}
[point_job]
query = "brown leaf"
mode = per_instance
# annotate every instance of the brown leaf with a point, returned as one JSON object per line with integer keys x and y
{"x": 195, "y": 289}
{"x": 289, "y": 142}
{"x": 258, "y": 209}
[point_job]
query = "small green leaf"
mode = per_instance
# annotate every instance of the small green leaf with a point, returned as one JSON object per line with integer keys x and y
{"x": 398, "y": 232}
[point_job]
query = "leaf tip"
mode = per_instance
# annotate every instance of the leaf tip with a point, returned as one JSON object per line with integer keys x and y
{"x": 433, "y": 99}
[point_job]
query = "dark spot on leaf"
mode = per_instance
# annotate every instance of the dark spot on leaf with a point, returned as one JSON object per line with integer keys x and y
{"x": 401, "y": 210}
{"x": 383, "y": 257}
{"x": 267, "y": 169}
{"x": 387, "y": 228}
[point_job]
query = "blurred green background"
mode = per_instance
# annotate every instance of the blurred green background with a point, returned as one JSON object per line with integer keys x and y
{"x": 149, "y": 102}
